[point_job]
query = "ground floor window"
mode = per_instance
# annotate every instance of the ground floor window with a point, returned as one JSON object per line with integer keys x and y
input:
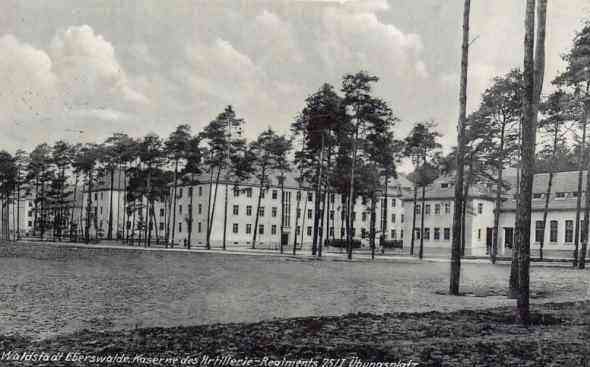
{"x": 508, "y": 237}
{"x": 553, "y": 233}
{"x": 447, "y": 234}
{"x": 235, "y": 228}
{"x": 437, "y": 233}
{"x": 248, "y": 228}
{"x": 427, "y": 233}
{"x": 393, "y": 235}
{"x": 539, "y": 229}
{"x": 417, "y": 233}
{"x": 569, "y": 231}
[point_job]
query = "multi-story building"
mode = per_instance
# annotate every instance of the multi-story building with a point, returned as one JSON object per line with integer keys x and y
{"x": 296, "y": 205}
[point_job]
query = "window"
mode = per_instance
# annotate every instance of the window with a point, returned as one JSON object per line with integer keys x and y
{"x": 101, "y": 195}
{"x": 199, "y": 227}
{"x": 393, "y": 218}
{"x": 332, "y": 197}
{"x": 180, "y": 209}
{"x": 401, "y": 234}
{"x": 427, "y": 209}
{"x": 560, "y": 195}
{"x": 274, "y": 194}
{"x": 553, "y": 231}
{"x": 180, "y": 192}
{"x": 273, "y": 229}
{"x": 332, "y": 232}
{"x": 249, "y": 192}
{"x": 190, "y": 191}
{"x": 508, "y": 237}
{"x": 331, "y": 215}
{"x": 393, "y": 203}
{"x": 447, "y": 208}
{"x": 101, "y": 210}
{"x": 261, "y": 229}
{"x": 309, "y": 231}
{"x": 310, "y": 196}
{"x": 30, "y": 213}
{"x": 479, "y": 233}
{"x": 179, "y": 227}
{"x": 298, "y": 230}
{"x": 569, "y": 231}
{"x": 447, "y": 234}
{"x": 537, "y": 196}
{"x": 363, "y": 200}
{"x": 402, "y": 218}
{"x": 364, "y": 216}
{"x": 30, "y": 223}
{"x": 235, "y": 228}
{"x": 161, "y": 212}
{"x": 418, "y": 209}
{"x": 363, "y": 233}
{"x": 427, "y": 233}
{"x": 582, "y": 234}
{"x": 261, "y": 211}
{"x": 574, "y": 194}
{"x": 298, "y": 213}
{"x": 262, "y": 193}
{"x": 128, "y": 224}
{"x": 200, "y": 190}
{"x": 480, "y": 208}
{"x": 436, "y": 208}
{"x": 161, "y": 226}
{"x": 274, "y": 211}
{"x": 236, "y": 192}
{"x": 248, "y": 210}
{"x": 30, "y": 204}
{"x": 236, "y": 209}
{"x": 200, "y": 208}
{"x": 444, "y": 185}
{"x": 417, "y": 233}
{"x": 342, "y": 232}
{"x": 309, "y": 214}
{"x": 298, "y": 196}
{"x": 539, "y": 231}
{"x": 95, "y": 196}
{"x": 248, "y": 228}
{"x": 437, "y": 234}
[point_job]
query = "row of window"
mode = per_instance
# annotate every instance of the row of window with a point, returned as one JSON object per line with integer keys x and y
{"x": 436, "y": 233}
{"x": 554, "y": 231}
{"x": 438, "y": 208}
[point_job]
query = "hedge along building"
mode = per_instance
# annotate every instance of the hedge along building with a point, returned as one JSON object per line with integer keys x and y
{"x": 298, "y": 204}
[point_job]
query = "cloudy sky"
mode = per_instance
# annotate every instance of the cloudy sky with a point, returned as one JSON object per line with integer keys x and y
{"x": 81, "y": 70}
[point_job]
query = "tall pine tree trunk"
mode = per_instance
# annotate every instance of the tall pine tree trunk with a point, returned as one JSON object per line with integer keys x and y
{"x": 548, "y": 191}
{"x": 112, "y": 184}
{"x": 256, "y": 213}
{"x": 414, "y": 219}
{"x": 373, "y": 224}
{"x": 297, "y": 211}
{"x": 88, "y": 207}
{"x": 207, "y": 243}
{"x": 174, "y": 203}
{"x": 421, "y": 250}
{"x": 190, "y": 215}
{"x": 455, "y": 277}
{"x": 498, "y": 201}
{"x": 584, "y": 249}
{"x": 211, "y": 215}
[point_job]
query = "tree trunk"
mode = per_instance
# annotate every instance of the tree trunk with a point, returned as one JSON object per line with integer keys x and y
{"x": 584, "y": 249}
{"x": 373, "y": 224}
{"x": 223, "y": 244}
{"x": 384, "y": 215}
{"x": 211, "y": 215}
{"x": 464, "y": 207}
{"x": 190, "y": 216}
{"x": 421, "y": 250}
{"x": 548, "y": 191}
{"x": 208, "y": 244}
{"x": 455, "y": 277}
{"x": 498, "y": 204}
{"x": 73, "y": 208}
{"x": 148, "y": 203}
{"x": 282, "y": 212}
{"x": 88, "y": 207}
{"x": 256, "y": 213}
{"x": 174, "y": 203}
{"x": 18, "y": 205}
{"x": 414, "y": 219}
{"x": 351, "y": 196}
{"x": 323, "y": 223}
{"x": 297, "y": 220}
{"x": 523, "y": 210}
